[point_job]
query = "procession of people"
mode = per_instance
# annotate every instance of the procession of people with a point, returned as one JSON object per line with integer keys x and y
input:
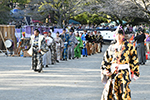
{"x": 120, "y": 63}
{"x": 47, "y": 50}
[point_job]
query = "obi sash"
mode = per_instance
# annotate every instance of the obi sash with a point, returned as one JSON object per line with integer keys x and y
{"x": 120, "y": 67}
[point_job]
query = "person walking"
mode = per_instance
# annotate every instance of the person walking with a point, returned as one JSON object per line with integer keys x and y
{"x": 59, "y": 46}
{"x": 47, "y": 55}
{"x": 53, "y": 48}
{"x": 79, "y": 46}
{"x": 119, "y": 61}
{"x": 72, "y": 44}
{"x": 84, "y": 50}
{"x": 36, "y": 50}
{"x": 89, "y": 43}
{"x": 140, "y": 46}
{"x": 99, "y": 41}
{"x": 65, "y": 37}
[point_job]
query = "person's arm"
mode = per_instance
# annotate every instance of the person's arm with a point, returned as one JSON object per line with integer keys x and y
{"x": 44, "y": 46}
{"x": 137, "y": 37}
{"x": 134, "y": 64}
{"x": 105, "y": 66}
{"x": 107, "y": 58}
{"x": 81, "y": 43}
{"x": 76, "y": 41}
{"x": 61, "y": 43}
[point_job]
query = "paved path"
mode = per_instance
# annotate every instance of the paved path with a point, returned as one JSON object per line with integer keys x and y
{"x": 77, "y": 79}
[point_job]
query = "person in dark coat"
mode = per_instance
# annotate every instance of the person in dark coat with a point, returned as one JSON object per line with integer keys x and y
{"x": 140, "y": 46}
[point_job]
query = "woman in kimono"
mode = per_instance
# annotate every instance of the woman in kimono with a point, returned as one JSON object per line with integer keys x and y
{"x": 47, "y": 55}
{"x": 52, "y": 48}
{"x": 78, "y": 48}
{"x": 119, "y": 65}
{"x": 59, "y": 46}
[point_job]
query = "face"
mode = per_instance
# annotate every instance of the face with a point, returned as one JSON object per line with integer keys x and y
{"x": 64, "y": 31}
{"x": 36, "y": 33}
{"x": 71, "y": 33}
{"x": 49, "y": 34}
{"x": 77, "y": 34}
{"x": 45, "y": 35}
{"x": 119, "y": 37}
{"x": 57, "y": 34}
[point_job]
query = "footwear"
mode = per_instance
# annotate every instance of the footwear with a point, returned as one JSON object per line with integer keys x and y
{"x": 143, "y": 63}
{"x": 52, "y": 63}
{"x": 46, "y": 66}
{"x": 63, "y": 59}
{"x": 40, "y": 71}
{"x": 57, "y": 61}
{"x": 36, "y": 70}
{"x": 69, "y": 58}
{"x": 140, "y": 63}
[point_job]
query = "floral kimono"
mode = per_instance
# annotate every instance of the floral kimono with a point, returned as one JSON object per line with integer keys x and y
{"x": 124, "y": 58}
{"x": 59, "y": 46}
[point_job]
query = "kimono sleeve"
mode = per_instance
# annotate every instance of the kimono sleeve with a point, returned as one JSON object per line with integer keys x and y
{"x": 75, "y": 40}
{"x": 81, "y": 43}
{"x": 134, "y": 64}
{"x": 68, "y": 39}
{"x": 44, "y": 47}
{"x": 105, "y": 65}
{"x": 107, "y": 58}
{"x": 62, "y": 43}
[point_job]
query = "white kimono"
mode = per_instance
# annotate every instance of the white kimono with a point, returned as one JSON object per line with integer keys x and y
{"x": 32, "y": 41}
{"x": 47, "y": 55}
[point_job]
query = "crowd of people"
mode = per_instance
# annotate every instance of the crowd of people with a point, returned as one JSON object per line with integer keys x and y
{"x": 66, "y": 45}
{"x": 120, "y": 63}
{"x": 71, "y": 45}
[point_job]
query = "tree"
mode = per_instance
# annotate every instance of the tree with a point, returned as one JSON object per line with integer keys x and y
{"x": 59, "y": 10}
{"x": 118, "y": 10}
{"x": 4, "y": 12}
{"x": 143, "y": 5}
{"x": 87, "y": 18}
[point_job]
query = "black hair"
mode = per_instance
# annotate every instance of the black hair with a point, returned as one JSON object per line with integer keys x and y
{"x": 64, "y": 29}
{"x": 57, "y": 32}
{"x": 120, "y": 31}
{"x": 37, "y": 30}
{"x": 141, "y": 30}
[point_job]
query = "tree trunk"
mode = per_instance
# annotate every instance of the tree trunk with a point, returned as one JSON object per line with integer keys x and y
{"x": 60, "y": 21}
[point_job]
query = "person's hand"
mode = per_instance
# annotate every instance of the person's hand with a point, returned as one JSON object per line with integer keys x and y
{"x": 135, "y": 77}
{"x": 107, "y": 73}
{"x": 39, "y": 51}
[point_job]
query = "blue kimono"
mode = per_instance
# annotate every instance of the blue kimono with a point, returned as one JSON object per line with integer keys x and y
{"x": 84, "y": 50}
{"x": 65, "y": 38}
